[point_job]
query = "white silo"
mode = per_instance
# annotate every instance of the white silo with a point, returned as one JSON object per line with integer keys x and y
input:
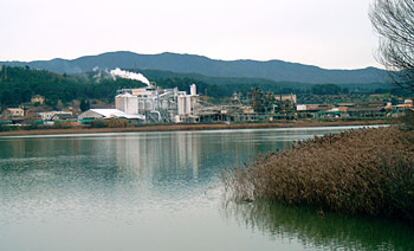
{"x": 188, "y": 105}
{"x": 181, "y": 104}
{"x": 127, "y": 103}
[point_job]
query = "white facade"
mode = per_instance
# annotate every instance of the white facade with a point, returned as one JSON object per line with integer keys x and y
{"x": 300, "y": 108}
{"x": 15, "y": 112}
{"x": 181, "y": 105}
{"x": 189, "y": 105}
{"x": 127, "y": 103}
{"x": 47, "y": 116}
{"x": 157, "y": 104}
{"x": 108, "y": 113}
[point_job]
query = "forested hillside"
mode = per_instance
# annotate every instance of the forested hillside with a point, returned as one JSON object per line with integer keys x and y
{"x": 19, "y": 84}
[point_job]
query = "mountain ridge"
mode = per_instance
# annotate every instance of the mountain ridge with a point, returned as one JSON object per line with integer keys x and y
{"x": 276, "y": 70}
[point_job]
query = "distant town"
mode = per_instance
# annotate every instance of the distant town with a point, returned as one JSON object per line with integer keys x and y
{"x": 154, "y": 105}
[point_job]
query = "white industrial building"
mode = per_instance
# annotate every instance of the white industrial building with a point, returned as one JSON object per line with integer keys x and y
{"x": 107, "y": 114}
{"x": 158, "y": 105}
{"x": 150, "y": 104}
{"x": 127, "y": 103}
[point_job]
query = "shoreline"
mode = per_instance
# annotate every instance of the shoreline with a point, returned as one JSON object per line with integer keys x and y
{"x": 191, "y": 127}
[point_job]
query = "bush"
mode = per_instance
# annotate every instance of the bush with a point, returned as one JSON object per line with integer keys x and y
{"x": 110, "y": 123}
{"x": 117, "y": 123}
{"x": 368, "y": 171}
{"x": 408, "y": 120}
{"x": 4, "y": 128}
{"x": 99, "y": 123}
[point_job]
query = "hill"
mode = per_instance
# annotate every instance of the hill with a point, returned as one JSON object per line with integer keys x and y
{"x": 275, "y": 70}
{"x": 19, "y": 84}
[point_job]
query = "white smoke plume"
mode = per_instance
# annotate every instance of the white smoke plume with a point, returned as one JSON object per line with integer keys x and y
{"x": 130, "y": 75}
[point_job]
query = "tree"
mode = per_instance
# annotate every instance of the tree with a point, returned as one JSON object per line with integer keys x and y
{"x": 84, "y": 105}
{"x": 257, "y": 100}
{"x": 394, "y": 22}
{"x": 326, "y": 89}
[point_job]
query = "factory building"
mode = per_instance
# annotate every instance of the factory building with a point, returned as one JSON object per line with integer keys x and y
{"x": 93, "y": 114}
{"x": 127, "y": 103}
{"x": 158, "y": 105}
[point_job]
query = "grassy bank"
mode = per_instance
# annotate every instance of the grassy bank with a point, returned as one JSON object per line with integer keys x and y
{"x": 367, "y": 171}
{"x": 189, "y": 127}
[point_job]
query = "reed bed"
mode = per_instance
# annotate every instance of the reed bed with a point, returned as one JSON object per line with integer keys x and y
{"x": 367, "y": 171}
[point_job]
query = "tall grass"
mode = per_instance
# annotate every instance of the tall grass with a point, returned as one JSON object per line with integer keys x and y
{"x": 367, "y": 171}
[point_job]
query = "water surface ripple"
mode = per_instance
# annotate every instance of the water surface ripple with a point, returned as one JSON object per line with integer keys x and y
{"x": 161, "y": 191}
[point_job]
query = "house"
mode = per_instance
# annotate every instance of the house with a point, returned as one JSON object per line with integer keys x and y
{"x": 367, "y": 112}
{"x": 37, "y": 99}
{"x": 408, "y": 104}
{"x": 337, "y": 112}
{"x": 309, "y": 111}
{"x": 313, "y": 107}
{"x": 48, "y": 116}
{"x": 283, "y": 98}
{"x": 13, "y": 113}
{"x": 64, "y": 117}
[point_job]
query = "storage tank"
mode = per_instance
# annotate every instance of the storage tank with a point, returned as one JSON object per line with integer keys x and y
{"x": 181, "y": 105}
{"x": 127, "y": 103}
{"x": 188, "y": 105}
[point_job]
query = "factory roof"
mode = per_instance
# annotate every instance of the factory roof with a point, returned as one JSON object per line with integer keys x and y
{"x": 115, "y": 113}
{"x": 125, "y": 94}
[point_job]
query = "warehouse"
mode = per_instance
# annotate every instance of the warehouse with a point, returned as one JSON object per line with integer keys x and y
{"x": 107, "y": 114}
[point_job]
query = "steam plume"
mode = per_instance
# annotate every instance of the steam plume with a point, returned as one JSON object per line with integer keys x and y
{"x": 130, "y": 75}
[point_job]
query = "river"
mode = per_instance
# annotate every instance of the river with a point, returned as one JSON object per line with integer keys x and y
{"x": 162, "y": 191}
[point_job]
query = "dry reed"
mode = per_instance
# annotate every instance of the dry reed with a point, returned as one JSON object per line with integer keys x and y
{"x": 367, "y": 171}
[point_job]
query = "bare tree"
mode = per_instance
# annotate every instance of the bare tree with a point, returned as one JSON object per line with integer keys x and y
{"x": 394, "y": 22}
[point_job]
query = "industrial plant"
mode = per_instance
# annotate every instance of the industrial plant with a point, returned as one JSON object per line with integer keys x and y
{"x": 159, "y": 105}
{"x": 149, "y": 104}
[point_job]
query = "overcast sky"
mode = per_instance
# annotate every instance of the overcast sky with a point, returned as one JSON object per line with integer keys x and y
{"x": 327, "y": 33}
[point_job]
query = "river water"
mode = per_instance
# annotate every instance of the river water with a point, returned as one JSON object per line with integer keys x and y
{"x": 162, "y": 191}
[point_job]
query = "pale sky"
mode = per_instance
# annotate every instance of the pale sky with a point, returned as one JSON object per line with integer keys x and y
{"x": 327, "y": 33}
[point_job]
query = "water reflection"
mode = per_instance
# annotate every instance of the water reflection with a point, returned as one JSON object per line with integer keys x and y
{"x": 135, "y": 186}
{"x": 315, "y": 231}
{"x": 130, "y": 167}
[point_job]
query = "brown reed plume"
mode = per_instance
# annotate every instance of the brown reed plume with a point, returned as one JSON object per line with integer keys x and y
{"x": 367, "y": 171}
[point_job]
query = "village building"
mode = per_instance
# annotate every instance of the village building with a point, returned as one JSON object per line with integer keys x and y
{"x": 37, "y": 99}
{"x": 54, "y": 115}
{"x": 13, "y": 113}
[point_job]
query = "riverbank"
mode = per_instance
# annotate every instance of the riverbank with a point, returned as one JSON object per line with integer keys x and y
{"x": 191, "y": 127}
{"x": 369, "y": 172}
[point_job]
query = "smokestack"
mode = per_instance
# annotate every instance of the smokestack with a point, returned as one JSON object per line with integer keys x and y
{"x": 193, "y": 90}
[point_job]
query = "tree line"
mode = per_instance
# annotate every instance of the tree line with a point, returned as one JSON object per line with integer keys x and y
{"x": 19, "y": 84}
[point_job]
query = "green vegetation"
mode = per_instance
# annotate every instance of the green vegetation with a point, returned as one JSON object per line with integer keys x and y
{"x": 18, "y": 85}
{"x": 224, "y": 87}
{"x": 369, "y": 171}
{"x": 84, "y": 105}
{"x": 328, "y": 89}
